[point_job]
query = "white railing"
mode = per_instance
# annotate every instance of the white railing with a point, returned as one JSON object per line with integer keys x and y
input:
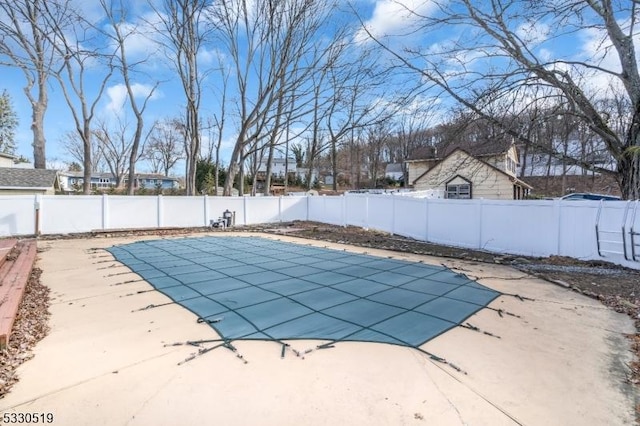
{"x": 532, "y": 228}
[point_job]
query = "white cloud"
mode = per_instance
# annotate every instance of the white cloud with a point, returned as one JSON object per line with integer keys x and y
{"x": 533, "y": 33}
{"x": 390, "y": 16}
{"x": 117, "y": 95}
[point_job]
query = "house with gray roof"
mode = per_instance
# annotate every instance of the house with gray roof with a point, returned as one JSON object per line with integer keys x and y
{"x": 468, "y": 169}
{"x": 20, "y": 181}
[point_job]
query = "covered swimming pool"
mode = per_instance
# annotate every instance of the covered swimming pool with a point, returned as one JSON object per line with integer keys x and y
{"x": 257, "y": 288}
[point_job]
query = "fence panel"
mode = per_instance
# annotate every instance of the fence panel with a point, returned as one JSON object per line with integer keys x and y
{"x": 327, "y": 209}
{"x": 71, "y": 214}
{"x": 262, "y": 210}
{"x": 218, "y": 205}
{"x": 182, "y": 212}
{"x": 293, "y": 208}
{"x": 410, "y": 217}
{"x": 356, "y": 210}
{"x": 520, "y": 227}
{"x": 17, "y": 215}
{"x": 381, "y": 212}
{"x": 576, "y": 229}
{"x": 454, "y": 222}
{"x": 132, "y": 212}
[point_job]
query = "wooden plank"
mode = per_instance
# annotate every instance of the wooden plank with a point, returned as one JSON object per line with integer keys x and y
{"x": 6, "y": 246}
{"x": 12, "y": 289}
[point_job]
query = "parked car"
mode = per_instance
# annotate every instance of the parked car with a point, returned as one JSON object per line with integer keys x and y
{"x": 588, "y": 196}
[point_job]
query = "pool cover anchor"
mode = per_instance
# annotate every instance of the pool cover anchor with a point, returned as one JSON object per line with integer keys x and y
{"x": 136, "y": 293}
{"x": 233, "y": 349}
{"x": 470, "y": 326}
{"x": 328, "y": 345}
{"x": 151, "y": 306}
{"x": 200, "y": 320}
{"x": 517, "y": 296}
{"x": 502, "y": 312}
{"x": 441, "y": 360}
{"x": 225, "y": 343}
{"x": 130, "y": 282}
{"x": 200, "y": 352}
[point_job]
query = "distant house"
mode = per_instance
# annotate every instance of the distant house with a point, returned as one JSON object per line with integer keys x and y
{"x": 73, "y": 181}
{"x": 394, "y": 171}
{"x": 476, "y": 170}
{"x": 21, "y": 181}
{"x": 6, "y": 160}
{"x": 279, "y": 166}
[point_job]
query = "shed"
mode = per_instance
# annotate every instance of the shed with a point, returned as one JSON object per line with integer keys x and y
{"x": 17, "y": 181}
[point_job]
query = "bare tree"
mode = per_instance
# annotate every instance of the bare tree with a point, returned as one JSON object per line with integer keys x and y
{"x": 354, "y": 104}
{"x": 119, "y": 31}
{"x": 80, "y": 60}
{"x": 216, "y": 126}
{"x": 74, "y": 147}
{"x": 28, "y": 31}
{"x": 508, "y": 33}
{"x": 184, "y": 30}
{"x": 376, "y": 139}
{"x": 267, "y": 43}
{"x": 115, "y": 146}
{"x": 165, "y": 147}
{"x": 410, "y": 132}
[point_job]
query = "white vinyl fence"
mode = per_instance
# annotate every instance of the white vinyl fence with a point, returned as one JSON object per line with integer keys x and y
{"x": 532, "y": 228}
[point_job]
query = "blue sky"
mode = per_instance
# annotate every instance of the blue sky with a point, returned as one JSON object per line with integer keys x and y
{"x": 382, "y": 17}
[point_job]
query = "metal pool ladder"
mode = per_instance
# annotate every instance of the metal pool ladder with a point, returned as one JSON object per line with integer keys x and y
{"x": 603, "y": 235}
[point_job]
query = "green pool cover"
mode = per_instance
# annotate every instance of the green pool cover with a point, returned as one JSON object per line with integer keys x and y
{"x": 257, "y": 288}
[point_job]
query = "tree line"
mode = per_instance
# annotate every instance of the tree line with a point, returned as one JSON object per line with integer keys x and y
{"x": 298, "y": 77}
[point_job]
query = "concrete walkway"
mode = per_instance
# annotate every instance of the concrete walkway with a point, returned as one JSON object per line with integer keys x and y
{"x": 562, "y": 362}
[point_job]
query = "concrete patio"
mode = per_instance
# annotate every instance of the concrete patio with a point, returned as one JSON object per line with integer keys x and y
{"x": 108, "y": 361}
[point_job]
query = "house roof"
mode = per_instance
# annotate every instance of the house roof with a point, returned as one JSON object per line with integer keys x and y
{"x": 393, "y": 168}
{"x": 478, "y": 148}
{"x": 6, "y": 155}
{"x": 109, "y": 175}
{"x": 512, "y": 178}
{"x": 27, "y": 178}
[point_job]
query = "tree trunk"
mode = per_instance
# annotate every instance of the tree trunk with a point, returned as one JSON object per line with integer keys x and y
{"x": 334, "y": 164}
{"x": 86, "y": 187}
{"x": 37, "y": 127}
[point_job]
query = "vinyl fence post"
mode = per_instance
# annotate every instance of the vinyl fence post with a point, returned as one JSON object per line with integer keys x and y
{"x": 557, "y": 208}
{"x": 206, "y": 209}
{"x": 480, "y": 222}
{"x": 393, "y": 214}
{"x": 344, "y": 210}
{"x": 244, "y": 208}
{"x": 280, "y": 209}
{"x": 308, "y": 206}
{"x": 37, "y": 208}
{"x": 426, "y": 219}
{"x": 366, "y": 211}
{"x": 159, "y": 211}
{"x": 105, "y": 211}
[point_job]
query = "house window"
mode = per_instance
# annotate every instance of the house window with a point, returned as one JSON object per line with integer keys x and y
{"x": 459, "y": 191}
